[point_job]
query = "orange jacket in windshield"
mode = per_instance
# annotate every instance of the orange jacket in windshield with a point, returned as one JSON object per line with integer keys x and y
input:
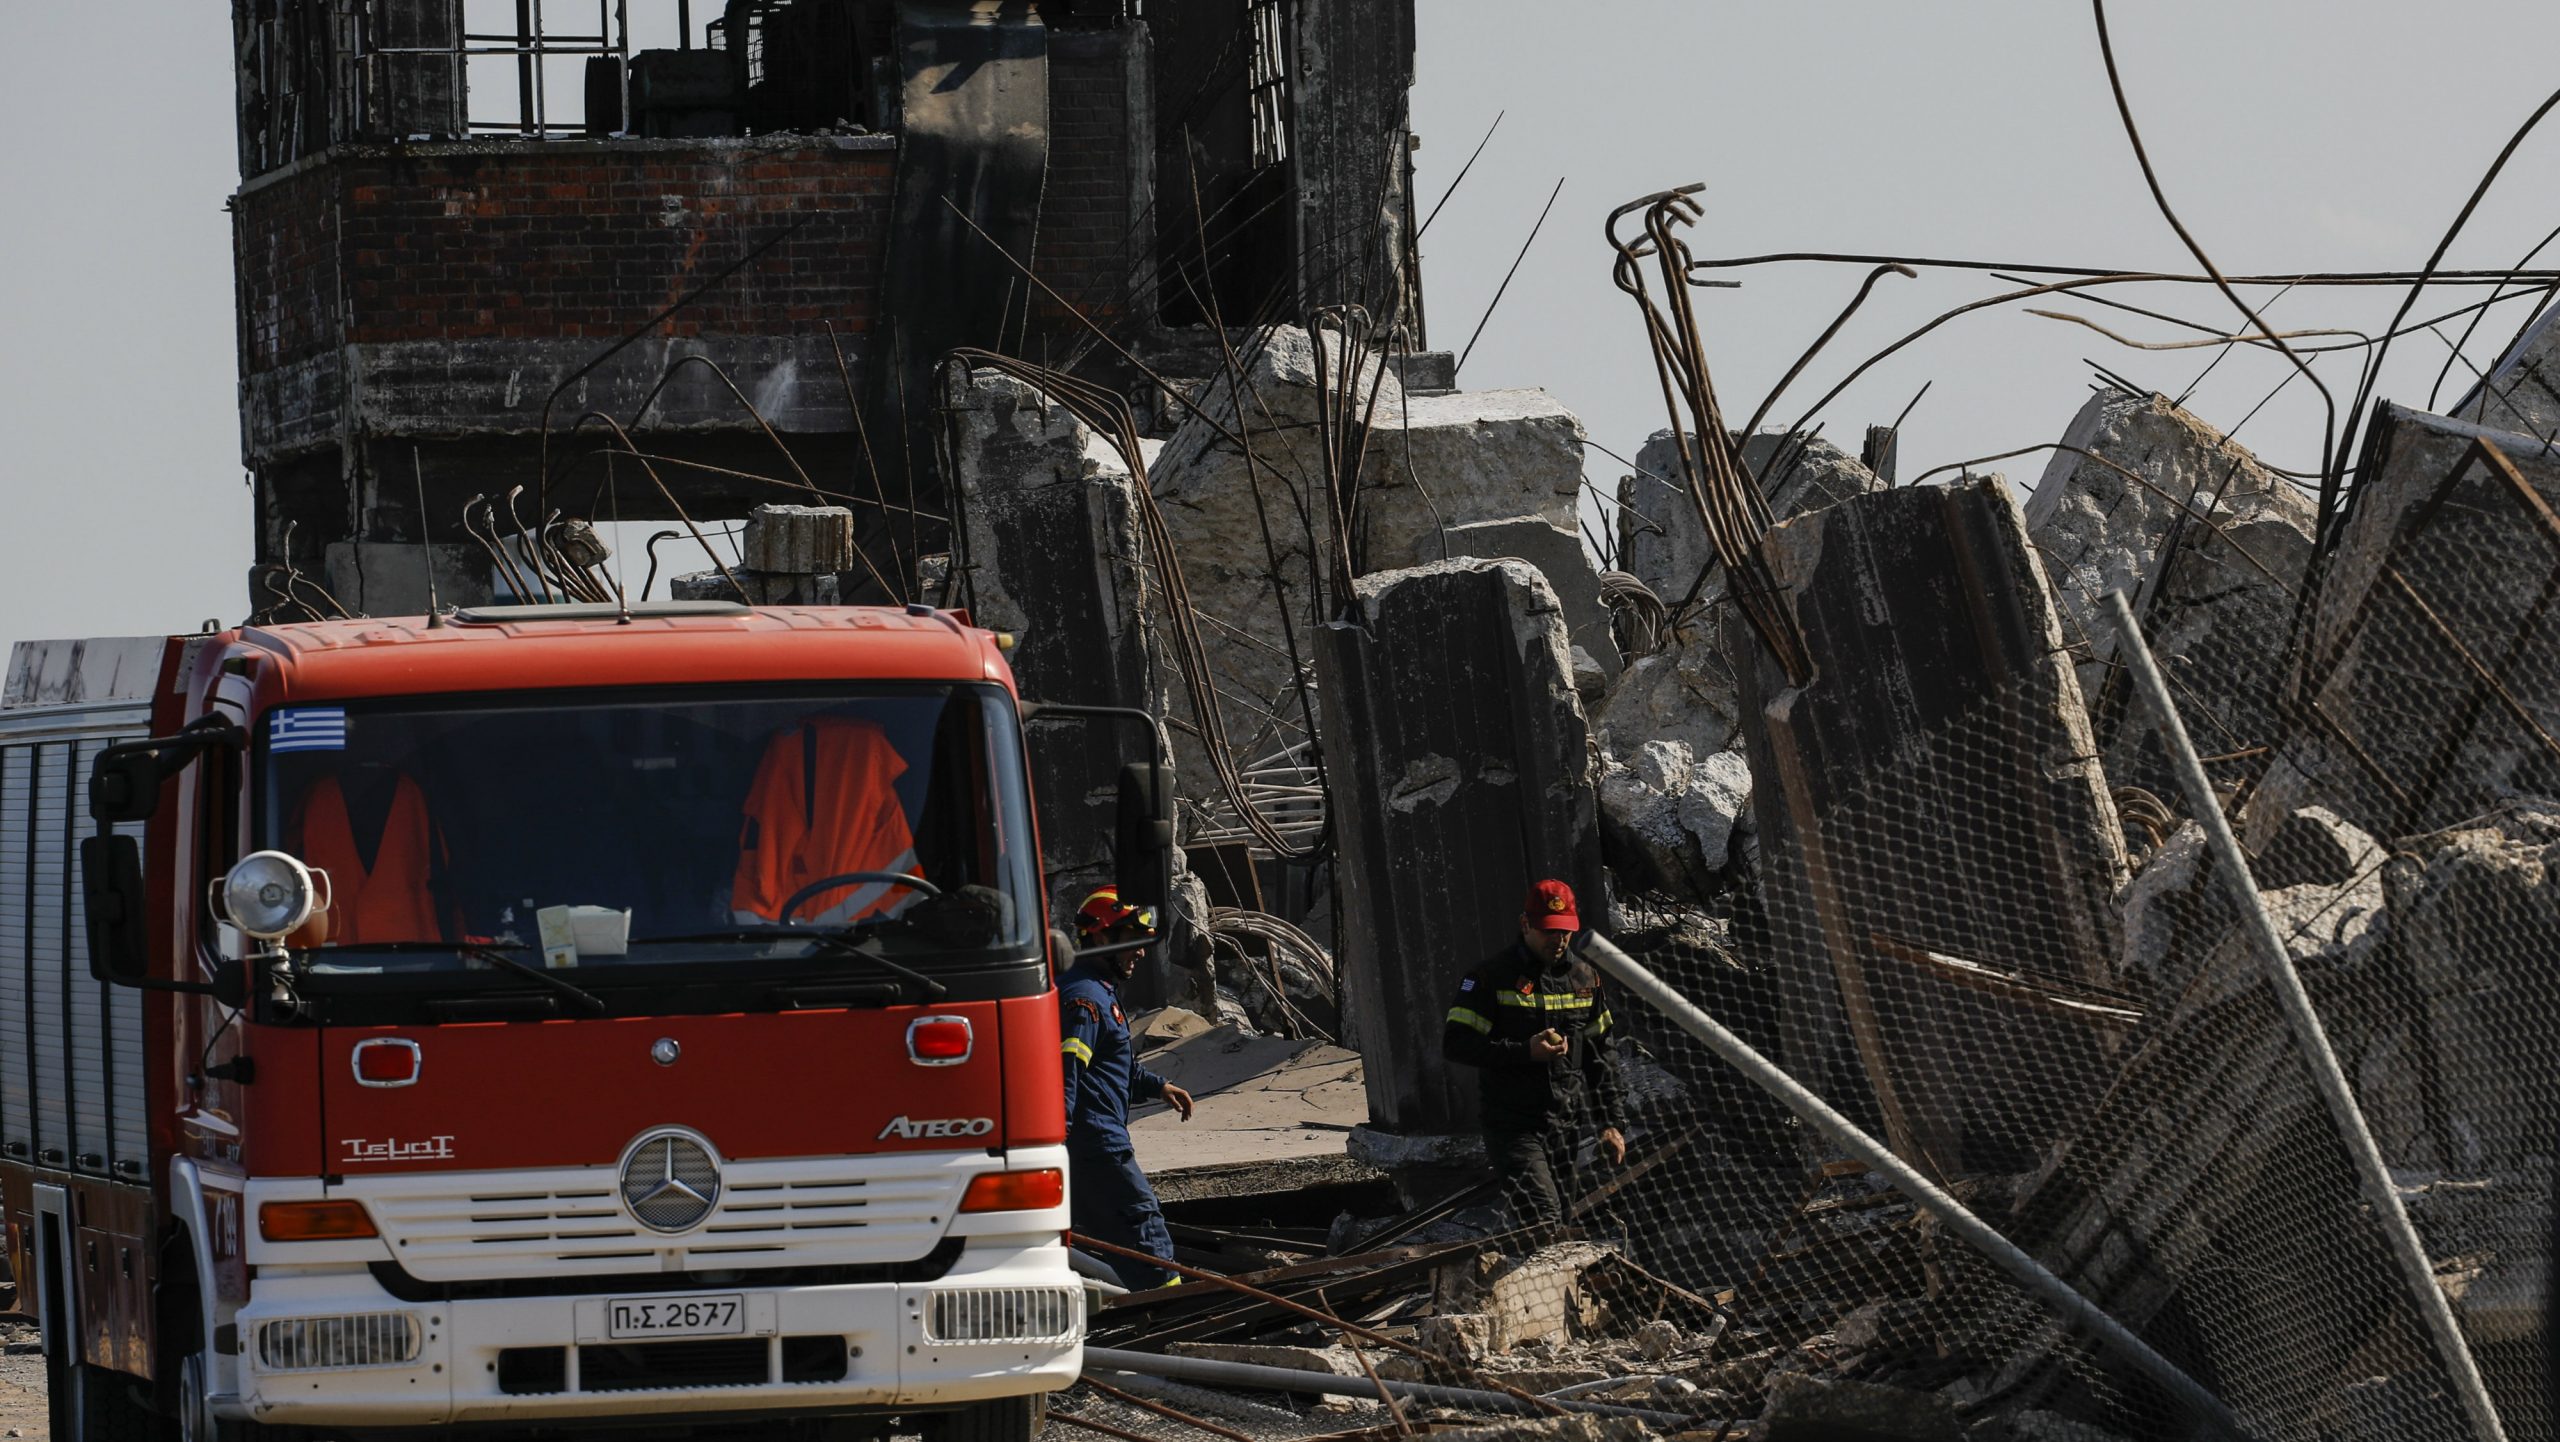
{"x": 381, "y": 892}
{"x": 824, "y": 802}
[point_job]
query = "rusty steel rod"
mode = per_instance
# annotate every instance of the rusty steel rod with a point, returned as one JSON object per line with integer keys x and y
{"x": 1312, "y": 1314}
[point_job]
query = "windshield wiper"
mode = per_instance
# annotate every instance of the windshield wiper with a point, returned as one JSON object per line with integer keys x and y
{"x": 483, "y": 951}
{"x": 562, "y": 985}
{"x": 842, "y": 943}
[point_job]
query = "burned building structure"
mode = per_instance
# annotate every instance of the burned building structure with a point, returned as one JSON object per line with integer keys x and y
{"x": 485, "y": 244}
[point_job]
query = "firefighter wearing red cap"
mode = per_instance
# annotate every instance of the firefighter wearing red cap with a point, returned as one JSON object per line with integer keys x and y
{"x": 1107, "y": 1195}
{"x": 1532, "y": 1022}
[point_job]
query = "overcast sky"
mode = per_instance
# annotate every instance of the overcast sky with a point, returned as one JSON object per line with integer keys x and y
{"x": 2292, "y": 135}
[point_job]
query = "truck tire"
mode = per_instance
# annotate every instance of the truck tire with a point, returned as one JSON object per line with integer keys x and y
{"x": 1006, "y": 1419}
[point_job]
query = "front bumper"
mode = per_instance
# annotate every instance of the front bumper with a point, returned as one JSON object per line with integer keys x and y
{"x": 471, "y": 1356}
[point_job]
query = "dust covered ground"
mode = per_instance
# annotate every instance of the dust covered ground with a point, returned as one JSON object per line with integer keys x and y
{"x": 21, "y": 1381}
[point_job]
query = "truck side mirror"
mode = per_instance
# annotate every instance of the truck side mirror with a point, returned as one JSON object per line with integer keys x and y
{"x": 111, "y": 892}
{"x": 125, "y": 785}
{"x": 1143, "y": 850}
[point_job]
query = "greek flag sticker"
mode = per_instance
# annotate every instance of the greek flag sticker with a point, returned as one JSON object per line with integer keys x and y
{"x": 307, "y": 728}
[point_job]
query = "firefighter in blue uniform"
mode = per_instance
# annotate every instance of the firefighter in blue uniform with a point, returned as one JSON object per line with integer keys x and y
{"x": 1532, "y": 1021}
{"x": 1107, "y": 1195}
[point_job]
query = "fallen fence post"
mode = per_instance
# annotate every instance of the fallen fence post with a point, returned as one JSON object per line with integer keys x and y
{"x": 2308, "y": 1034}
{"x": 1929, "y": 1196}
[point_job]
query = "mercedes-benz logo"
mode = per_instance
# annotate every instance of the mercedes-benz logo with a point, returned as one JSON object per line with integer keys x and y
{"x": 671, "y": 1182}
{"x": 665, "y": 1050}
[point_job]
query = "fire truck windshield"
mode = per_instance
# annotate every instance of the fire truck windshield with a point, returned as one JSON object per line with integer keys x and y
{"x": 609, "y": 832}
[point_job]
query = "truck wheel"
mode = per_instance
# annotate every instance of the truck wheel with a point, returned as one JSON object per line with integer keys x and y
{"x": 1006, "y": 1419}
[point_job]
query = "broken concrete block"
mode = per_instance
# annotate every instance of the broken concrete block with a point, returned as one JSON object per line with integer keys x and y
{"x": 2522, "y": 391}
{"x": 1660, "y": 539}
{"x": 761, "y": 588}
{"x": 2210, "y": 548}
{"x": 1051, "y": 552}
{"x": 1659, "y": 1339}
{"x": 1669, "y": 808}
{"x": 1464, "y": 1338}
{"x": 2322, "y": 885}
{"x": 2439, "y": 559}
{"x": 1541, "y": 1297}
{"x": 1558, "y": 554}
{"x": 1668, "y": 816}
{"x": 1255, "y": 539}
{"x": 1805, "y": 1408}
{"x": 1457, "y": 750}
{"x": 799, "y": 540}
{"x": 1940, "y": 725}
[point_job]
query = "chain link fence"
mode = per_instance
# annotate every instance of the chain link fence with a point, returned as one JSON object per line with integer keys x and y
{"x": 2043, "y": 1079}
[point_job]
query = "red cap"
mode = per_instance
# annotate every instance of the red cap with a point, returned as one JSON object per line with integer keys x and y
{"x": 1549, "y": 907}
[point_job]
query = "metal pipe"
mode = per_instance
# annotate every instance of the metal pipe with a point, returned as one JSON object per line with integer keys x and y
{"x": 1328, "y": 1384}
{"x": 1953, "y": 1214}
{"x": 2380, "y": 1195}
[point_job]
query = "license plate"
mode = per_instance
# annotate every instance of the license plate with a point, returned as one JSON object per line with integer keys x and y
{"x": 720, "y": 1316}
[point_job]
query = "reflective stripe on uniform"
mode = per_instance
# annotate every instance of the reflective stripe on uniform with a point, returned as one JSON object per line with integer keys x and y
{"x": 1466, "y": 1018}
{"x": 1542, "y": 1001}
{"x": 1600, "y": 1026}
{"x": 1078, "y": 1050}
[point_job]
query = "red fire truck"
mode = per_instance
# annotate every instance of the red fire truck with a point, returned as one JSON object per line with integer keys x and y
{"x": 540, "y": 1014}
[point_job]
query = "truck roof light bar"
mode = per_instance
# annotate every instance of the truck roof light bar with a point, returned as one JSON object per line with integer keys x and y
{"x": 592, "y": 611}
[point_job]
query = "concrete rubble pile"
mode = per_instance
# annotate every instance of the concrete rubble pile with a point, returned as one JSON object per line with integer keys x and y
{"x": 1943, "y": 874}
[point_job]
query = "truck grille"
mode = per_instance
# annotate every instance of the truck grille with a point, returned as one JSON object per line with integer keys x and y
{"x": 462, "y": 1227}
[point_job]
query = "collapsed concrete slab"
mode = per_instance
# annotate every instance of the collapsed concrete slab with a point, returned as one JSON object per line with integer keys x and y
{"x": 2206, "y": 1202}
{"x": 2430, "y": 683}
{"x": 2522, "y": 391}
{"x": 2210, "y": 547}
{"x": 1256, "y": 539}
{"x": 1559, "y": 556}
{"x": 1457, "y": 751}
{"x": 1662, "y": 543}
{"x": 1939, "y": 851}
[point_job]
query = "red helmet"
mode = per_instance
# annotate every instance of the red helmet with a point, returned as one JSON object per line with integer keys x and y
{"x": 1104, "y": 910}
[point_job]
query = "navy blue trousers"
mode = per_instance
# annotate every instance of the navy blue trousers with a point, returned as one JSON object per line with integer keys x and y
{"x": 1109, "y": 1199}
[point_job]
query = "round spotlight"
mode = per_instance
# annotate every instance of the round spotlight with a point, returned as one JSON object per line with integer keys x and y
{"x": 268, "y": 894}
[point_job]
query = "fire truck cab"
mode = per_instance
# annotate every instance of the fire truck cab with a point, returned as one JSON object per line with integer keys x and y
{"x": 538, "y": 1014}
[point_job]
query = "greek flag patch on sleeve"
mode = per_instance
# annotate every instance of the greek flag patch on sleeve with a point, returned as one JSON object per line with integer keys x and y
{"x": 307, "y": 728}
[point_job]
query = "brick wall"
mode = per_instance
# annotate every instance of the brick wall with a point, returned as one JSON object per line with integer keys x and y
{"x": 560, "y": 240}
{"x": 1085, "y": 247}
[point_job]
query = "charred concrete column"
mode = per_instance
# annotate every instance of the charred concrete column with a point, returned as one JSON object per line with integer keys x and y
{"x": 1051, "y": 552}
{"x": 1460, "y": 773}
{"x": 1930, "y": 782}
